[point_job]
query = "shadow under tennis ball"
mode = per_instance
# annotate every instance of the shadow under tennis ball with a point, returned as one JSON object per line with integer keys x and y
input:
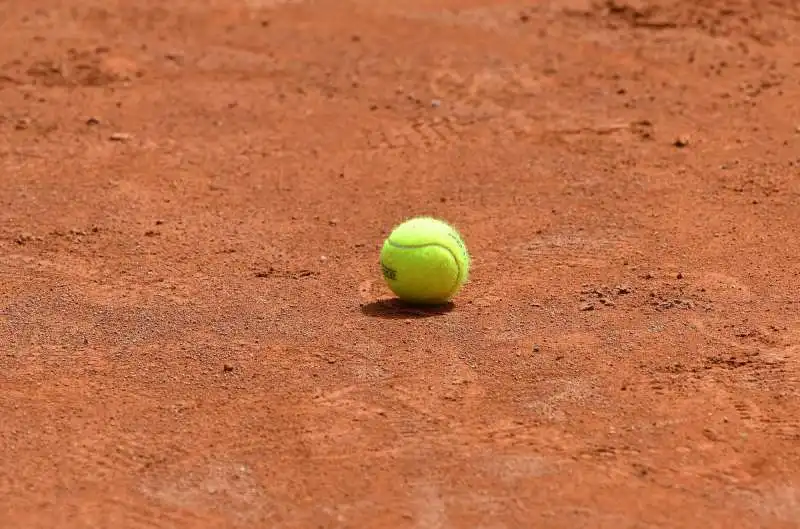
{"x": 398, "y": 309}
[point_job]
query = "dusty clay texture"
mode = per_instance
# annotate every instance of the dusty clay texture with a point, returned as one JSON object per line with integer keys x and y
{"x": 195, "y": 333}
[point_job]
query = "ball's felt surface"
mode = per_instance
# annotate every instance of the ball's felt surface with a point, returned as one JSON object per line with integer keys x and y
{"x": 425, "y": 260}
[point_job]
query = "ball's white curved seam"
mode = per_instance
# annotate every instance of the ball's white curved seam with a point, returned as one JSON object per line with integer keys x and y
{"x": 445, "y": 248}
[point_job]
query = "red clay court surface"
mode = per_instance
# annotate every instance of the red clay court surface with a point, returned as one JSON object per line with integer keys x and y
{"x": 195, "y": 331}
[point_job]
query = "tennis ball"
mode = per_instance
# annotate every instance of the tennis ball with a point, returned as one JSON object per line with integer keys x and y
{"x": 424, "y": 261}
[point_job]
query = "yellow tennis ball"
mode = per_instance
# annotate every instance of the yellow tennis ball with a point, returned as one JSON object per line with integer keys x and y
{"x": 425, "y": 260}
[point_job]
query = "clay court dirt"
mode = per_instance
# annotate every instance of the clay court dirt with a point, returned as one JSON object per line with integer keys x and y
{"x": 195, "y": 333}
